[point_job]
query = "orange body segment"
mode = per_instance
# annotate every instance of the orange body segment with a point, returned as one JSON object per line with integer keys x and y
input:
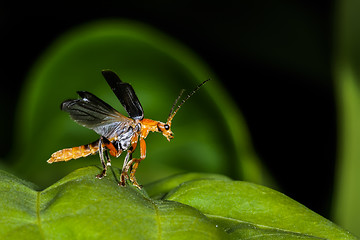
{"x": 74, "y": 152}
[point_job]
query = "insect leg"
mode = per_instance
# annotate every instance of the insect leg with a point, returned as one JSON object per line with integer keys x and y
{"x": 128, "y": 160}
{"x": 108, "y": 160}
{"x": 109, "y": 147}
{"x": 134, "y": 163}
{"x": 112, "y": 149}
{"x": 101, "y": 154}
{"x": 124, "y": 174}
{"x": 104, "y": 142}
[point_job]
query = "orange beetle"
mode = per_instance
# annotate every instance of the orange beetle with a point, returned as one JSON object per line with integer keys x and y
{"x": 118, "y": 132}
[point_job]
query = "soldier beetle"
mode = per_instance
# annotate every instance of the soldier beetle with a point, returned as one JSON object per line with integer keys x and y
{"x": 118, "y": 132}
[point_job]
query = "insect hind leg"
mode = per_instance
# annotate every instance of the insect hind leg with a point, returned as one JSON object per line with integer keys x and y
{"x": 105, "y": 146}
{"x": 102, "y": 142}
{"x": 104, "y": 165}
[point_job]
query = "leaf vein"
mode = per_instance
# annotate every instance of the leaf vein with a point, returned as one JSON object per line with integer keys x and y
{"x": 158, "y": 220}
{"x": 38, "y": 194}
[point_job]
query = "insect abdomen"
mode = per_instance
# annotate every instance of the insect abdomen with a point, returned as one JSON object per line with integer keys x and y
{"x": 74, "y": 152}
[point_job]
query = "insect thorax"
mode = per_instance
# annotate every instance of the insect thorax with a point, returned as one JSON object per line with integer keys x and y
{"x": 123, "y": 137}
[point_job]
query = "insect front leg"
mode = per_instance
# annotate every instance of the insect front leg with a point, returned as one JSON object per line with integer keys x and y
{"x": 134, "y": 163}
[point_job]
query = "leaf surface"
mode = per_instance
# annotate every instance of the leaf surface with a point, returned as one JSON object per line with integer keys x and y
{"x": 80, "y": 206}
{"x": 246, "y": 210}
{"x": 189, "y": 206}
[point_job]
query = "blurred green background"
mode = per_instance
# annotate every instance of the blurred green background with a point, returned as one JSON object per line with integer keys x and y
{"x": 281, "y": 109}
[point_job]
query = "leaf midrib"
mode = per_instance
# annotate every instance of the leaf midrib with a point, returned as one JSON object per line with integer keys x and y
{"x": 38, "y": 220}
{"x": 158, "y": 220}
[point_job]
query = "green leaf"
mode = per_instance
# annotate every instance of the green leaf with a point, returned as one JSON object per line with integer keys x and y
{"x": 205, "y": 206}
{"x": 80, "y": 206}
{"x": 246, "y": 210}
{"x": 161, "y": 187}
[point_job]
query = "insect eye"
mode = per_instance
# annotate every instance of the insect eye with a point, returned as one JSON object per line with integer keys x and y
{"x": 167, "y": 127}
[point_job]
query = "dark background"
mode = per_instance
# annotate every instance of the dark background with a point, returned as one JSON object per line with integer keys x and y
{"x": 277, "y": 54}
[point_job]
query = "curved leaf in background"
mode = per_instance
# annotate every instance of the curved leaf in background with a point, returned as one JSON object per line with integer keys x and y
{"x": 212, "y": 207}
{"x": 210, "y": 134}
{"x": 347, "y": 81}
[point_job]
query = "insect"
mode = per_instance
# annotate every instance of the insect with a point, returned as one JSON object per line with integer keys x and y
{"x": 118, "y": 132}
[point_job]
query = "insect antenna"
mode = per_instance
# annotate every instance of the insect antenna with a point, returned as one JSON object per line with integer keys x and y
{"x": 174, "y": 104}
{"x": 173, "y": 112}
